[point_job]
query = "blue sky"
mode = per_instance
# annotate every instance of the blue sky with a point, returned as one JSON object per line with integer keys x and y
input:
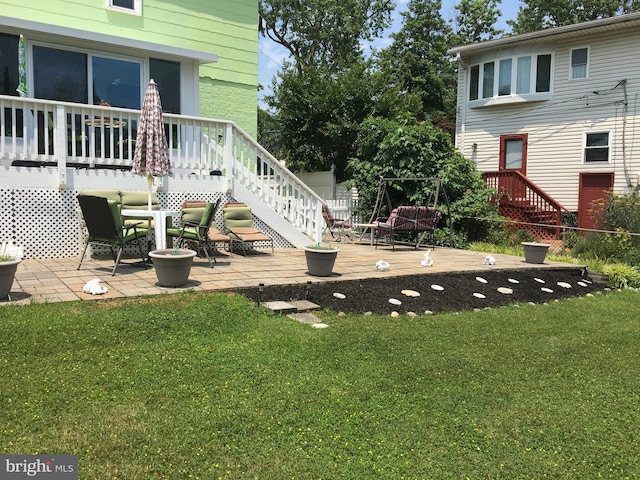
{"x": 271, "y": 55}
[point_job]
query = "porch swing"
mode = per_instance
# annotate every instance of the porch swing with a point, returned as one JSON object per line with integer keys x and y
{"x": 420, "y": 220}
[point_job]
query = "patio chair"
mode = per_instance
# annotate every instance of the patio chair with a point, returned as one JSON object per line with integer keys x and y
{"x": 238, "y": 225}
{"x": 104, "y": 226}
{"x": 333, "y": 224}
{"x": 196, "y": 223}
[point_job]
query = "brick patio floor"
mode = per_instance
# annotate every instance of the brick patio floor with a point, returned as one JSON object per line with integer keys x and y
{"x": 59, "y": 280}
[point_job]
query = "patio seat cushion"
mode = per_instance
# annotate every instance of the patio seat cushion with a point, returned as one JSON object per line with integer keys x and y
{"x": 139, "y": 200}
{"x": 112, "y": 195}
{"x": 237, "y": 217}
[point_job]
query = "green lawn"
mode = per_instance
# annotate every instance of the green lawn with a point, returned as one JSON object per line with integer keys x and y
{"x": 209, "y": 386}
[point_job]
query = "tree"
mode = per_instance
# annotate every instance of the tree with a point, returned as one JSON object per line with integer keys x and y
{"x": 320, "y": 113}
{"x": 538, "y": 14}
{"x": 475, "y": 20}
{"x": 324, "y": 32}
{"x": 417, "y": 62}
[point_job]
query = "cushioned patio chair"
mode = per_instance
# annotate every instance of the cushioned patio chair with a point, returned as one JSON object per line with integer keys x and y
{"x": 196, "y": 226}
{"x": 238, "y": 225}
{"x": 104, "y": 226}
{"x": 334, "y": 224}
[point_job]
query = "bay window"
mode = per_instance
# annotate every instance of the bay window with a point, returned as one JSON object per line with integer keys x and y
{"x": 524, "y": 75}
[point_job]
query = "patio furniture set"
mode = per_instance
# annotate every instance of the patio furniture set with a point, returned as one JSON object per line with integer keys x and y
{"x": 118, "y": 218}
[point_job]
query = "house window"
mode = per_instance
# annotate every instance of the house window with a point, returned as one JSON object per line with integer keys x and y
{"x": 65, "y": 76}
{"x": 487, "y": 80}
{"x": 513, "y": 152}
{"x": 596, "y": 147}
{"x": 129, "y": 6}
{"x": 579, "y": 62}
{"x": 516, "y": 75}
{"x": 474, "y": 82}
{"x": 504, "y": 77}
{"x": 543, "y": 73}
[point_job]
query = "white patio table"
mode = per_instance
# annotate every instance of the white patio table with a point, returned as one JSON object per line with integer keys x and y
{"x": 159, "y": 220}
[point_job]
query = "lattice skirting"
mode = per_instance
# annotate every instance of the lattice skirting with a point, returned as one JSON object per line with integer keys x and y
{"x": 46, "y": 222}
{"x": 540, "y": 233}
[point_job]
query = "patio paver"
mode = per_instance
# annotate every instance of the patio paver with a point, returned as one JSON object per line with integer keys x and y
{"x": 58, "y": 280}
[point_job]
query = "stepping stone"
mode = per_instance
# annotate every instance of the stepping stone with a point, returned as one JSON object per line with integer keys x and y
{"x": 304, "y": 305}
{"x": 305, "y": 317}
{"x": 282, "y": 308}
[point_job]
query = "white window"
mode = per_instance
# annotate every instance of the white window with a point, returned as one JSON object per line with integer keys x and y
{"x": 128, "y": 6}
{"x": 579, "y": 63}
{"x": 526, "y": 75}
{"x": 596, "y": 147}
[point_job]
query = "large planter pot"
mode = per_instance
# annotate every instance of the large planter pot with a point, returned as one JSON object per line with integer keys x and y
{"x": 320, "y": 261}
{"x": 7, "y": 274}
{"x": 172, "y": 266}
{"x": 535, "y": 252}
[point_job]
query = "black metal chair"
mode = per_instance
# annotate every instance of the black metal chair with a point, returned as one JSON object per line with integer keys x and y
{"x": 104, "y": 226}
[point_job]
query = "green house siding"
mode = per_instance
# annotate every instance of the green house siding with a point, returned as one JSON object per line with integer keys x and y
{"x": 223, "y": 100}
{"x": 225, "y": 28}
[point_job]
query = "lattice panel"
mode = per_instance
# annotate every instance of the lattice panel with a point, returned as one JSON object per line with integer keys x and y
{"x": 521, "y": 215}
{"x": 46, "y": 222}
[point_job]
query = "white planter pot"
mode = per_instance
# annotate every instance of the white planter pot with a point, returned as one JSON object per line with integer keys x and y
{"x": 172, "y": 266}
{"x": 535, "y": 252}
{"x": 320, "y": 261}
{"x": 7, "y": 275}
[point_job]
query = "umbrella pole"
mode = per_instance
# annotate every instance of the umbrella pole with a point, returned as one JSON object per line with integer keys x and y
{"x": 150, "y": 182}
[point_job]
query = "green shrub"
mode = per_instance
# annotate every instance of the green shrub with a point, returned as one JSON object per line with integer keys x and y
{"x": 622, "y": 276}
{"x": 612, "y": 247}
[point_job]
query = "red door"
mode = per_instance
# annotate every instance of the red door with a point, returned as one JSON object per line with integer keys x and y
{"x": 593, "y": 187}
{"x": 513, "y": 157}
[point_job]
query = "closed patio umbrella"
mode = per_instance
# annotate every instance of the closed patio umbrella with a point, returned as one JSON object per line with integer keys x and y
{"x": 151, "y": 156}
{"x": 22, "y": 68}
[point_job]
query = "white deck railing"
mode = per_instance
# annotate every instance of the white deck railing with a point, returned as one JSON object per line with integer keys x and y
{"x": 69, "y": 135}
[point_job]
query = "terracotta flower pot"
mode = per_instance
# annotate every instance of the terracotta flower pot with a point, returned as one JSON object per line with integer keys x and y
{"x": 172, "y": 266}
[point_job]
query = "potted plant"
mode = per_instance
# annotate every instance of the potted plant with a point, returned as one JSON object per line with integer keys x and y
{"x": 320, "y": 259}
{"x": 172, "y": 265}
{"x": 10, "y": 257}
{"x": 535, "y": 252}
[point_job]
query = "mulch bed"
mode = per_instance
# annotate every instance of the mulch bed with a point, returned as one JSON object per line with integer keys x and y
{"x": 457, "y": 294}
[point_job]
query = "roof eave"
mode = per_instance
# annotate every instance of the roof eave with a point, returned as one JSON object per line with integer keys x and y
{"x": 632, "y": 19}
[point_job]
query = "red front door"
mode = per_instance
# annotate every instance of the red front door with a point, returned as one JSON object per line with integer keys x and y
{"x": 594, "y": 187}
{"x": 513, "y": 157}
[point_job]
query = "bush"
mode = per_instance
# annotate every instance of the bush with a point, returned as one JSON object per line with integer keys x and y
{"x": 611, "y": 247}
{"x": 622, "y": 276}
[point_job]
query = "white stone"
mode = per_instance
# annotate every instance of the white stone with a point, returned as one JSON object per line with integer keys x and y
{"x": 481, "y": 280}
{"x": 428, "y": 312}
{"x": 320, "y": 325}
{"x": 505, "y": 290}
{"x": 341, "y": 296}
{"x": 412, "y": 314}
{"x": 395, "y": 301}
{"x": 583, "y": 284}
{"x": 410, "y": 293}
{"x": 479, "y": 295}
{"x": 439, "y": 288}
{"x": 564, "y": 284}
{"x": 513, "y": 280}
{"x": 539, "y": 280}
{"x": 547, "y": 290}
{"x": 395, "y": 314}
